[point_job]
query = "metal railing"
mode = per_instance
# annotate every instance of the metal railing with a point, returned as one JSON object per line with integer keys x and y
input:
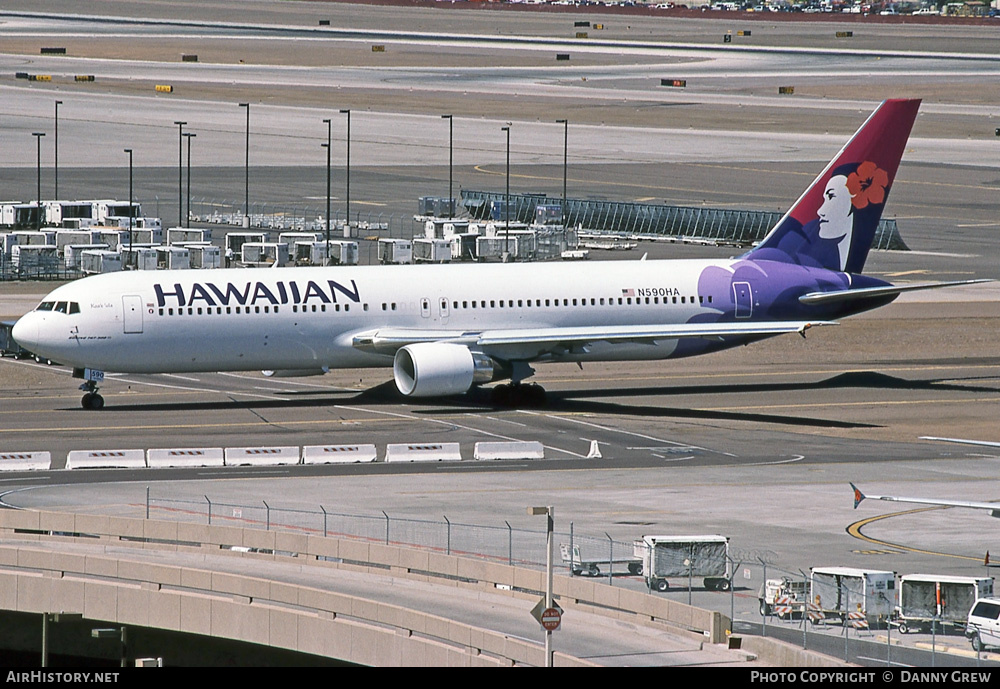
{"x": 712, "y": 225}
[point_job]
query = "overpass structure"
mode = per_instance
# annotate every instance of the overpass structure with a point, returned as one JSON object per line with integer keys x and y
{"x": 354, "y": 601}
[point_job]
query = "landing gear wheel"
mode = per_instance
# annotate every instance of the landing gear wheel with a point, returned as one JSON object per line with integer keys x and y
{"x": 92, "y": 401}
{"x": 518, "y": 395}
{"x": 661, "y": 585}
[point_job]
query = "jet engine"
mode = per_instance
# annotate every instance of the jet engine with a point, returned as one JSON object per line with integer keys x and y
{"x": 429, "y": 369}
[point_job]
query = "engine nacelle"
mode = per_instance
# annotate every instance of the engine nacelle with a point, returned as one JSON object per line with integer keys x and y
{"x": 296, "y": 372}
{"x": 430, "y": 369}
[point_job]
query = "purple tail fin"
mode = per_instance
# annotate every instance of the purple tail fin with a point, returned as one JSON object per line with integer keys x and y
{"x": 833, "y": 223}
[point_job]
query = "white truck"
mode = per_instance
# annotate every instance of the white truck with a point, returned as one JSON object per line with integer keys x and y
{"x": 785, "y": 598}
{"x": 665, "y": 557}
{"x": 925, "y": 598}
{"x": 846, "y": 593}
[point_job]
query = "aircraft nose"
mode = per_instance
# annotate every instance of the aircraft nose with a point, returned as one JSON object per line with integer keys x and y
{"x": 25, "y": 332}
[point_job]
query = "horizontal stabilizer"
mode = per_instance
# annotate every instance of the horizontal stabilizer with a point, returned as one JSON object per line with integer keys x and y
{"x": 814, "y": 298}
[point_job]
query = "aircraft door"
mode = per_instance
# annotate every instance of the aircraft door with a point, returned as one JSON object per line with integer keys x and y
{"x": 425, "y": 308}
{"x": 132, "y": 313}
{"x": 444, "y": 309}
{"x": 743, "y": 298}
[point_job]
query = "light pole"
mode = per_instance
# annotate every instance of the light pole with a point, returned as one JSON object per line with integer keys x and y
{"x": 38, "y": 193}
{"x": 180, "y": 172}
{"x": 54, "y": 617}
{"x": 328, "y": 146}
{"x": 189, "y": 136}
{"x": 549, "y": 512}
{"x": 56, "y": 192}
{"x": 347, "y": 112}
{"x": 246, "y": 185}
{"x": 506, "y": 202}
{"x": 451, "y": 161}
{"x": 120, "y": 634}
{"x": 565, "y": 124}
{"x": 131, "y": 209}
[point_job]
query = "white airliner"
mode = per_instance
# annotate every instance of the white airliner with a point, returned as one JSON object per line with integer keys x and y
{"x": 447, "y": 328}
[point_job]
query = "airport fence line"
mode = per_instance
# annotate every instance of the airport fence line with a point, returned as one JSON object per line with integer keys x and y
{"x": 710, "y": 225}
{"x": 501, "y": 543}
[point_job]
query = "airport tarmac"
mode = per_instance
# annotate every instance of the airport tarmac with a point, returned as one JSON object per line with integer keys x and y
{"x": 758, "y": 443}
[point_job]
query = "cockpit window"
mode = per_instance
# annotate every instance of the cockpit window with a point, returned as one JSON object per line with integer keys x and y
{"x": 59, "y": 306}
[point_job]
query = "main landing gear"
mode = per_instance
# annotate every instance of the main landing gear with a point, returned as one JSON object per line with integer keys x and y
{"x": 518, "y": 395}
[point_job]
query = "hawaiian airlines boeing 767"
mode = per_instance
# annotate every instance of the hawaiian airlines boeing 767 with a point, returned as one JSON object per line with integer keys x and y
{"x": 445, "y": 329}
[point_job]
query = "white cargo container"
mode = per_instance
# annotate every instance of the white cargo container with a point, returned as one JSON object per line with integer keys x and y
{"x": 290, "y": 238}
{"x": 205, "y": 256}
{"x": 840, "y": 591}
{"x": 43, "y": 258}
{"x": 263, "y": 254}
{"x": 36, "y": 238}
{"x": 924, "y": 598}
{"x": 95, "y": 261}
{"x": 73, "y": 254}
{"x": 343, "y": 253}
{"x": 138, "y": 257}
{"x": 173, "y": 258}
{"x": 181, "y": 235}
{"x": 463, "y": 246}
{"x": 518, "y": 245}
{"x": 236, "y": 240}
{"x": 66, "y": 237}
{"x": 431, "y": 250}
{"x": 309, "y": 253}
{"x": 666, "y": 557}
{"x": 395, "y": 251}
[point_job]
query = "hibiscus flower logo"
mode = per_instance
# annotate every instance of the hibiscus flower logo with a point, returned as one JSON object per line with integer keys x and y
{"x": 867, "y": 185}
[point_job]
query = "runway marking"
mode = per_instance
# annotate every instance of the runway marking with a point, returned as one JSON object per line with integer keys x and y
{"x": 212, "y": 390}
{"x": 672, "y": 459}
{"x": 451, "y": 423}
{"x": 174, "y": 375}
{"x": 796, "y": 458}
{"x": 855, "y": 531}
{"x": 618, "y": 430}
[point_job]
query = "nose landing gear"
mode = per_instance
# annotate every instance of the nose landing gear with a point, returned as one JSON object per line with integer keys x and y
{"x": 91, "y": 400}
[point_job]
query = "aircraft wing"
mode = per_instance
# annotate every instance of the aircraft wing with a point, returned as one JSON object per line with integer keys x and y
{"x": 993, "y": 508}
{"x": 389, "y": 340}
{"x": 814, "y": 298}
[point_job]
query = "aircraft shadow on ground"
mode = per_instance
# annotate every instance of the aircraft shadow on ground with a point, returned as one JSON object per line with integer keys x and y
{"x": 591, "y": 400}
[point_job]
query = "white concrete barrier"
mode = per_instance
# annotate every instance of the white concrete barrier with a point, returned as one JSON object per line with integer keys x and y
{"x": 422, "y": 452}
{"x": 338, "y": 454}
{"x": 261, "y": 456}
{"x": 192, "y": 457}
{"x": 106, "y": 459}
{"x": 531, "y": 449}
{"x": 25, "y": 461}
